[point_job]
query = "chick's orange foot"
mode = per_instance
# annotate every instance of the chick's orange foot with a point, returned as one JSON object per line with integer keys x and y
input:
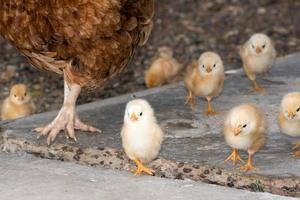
{"x": 141, "y": 168}
{"x": 296, "y": 154}
{"x": 297, "y": 145}
{"x": 257, "y": 88}
{"x": 209, "y": 110}
{"x": 249, "y": 166}
{"x": 234, "y": 157}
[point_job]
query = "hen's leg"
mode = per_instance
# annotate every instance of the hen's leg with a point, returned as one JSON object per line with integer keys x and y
{"x": 67, "y": 118}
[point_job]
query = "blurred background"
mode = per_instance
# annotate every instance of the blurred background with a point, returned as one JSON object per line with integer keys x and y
{"x": 188, "y": 27}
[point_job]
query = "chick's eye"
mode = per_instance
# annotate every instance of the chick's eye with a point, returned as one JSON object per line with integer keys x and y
{"x": 263, "y": 46}
{"x": 15, "y": 95}
{"x": 214, "y": 65}
{"x": 25, "y": 94}
{"x": 245, "y": 125}
{"x": 298, "y": 110}
{"x": 253, "y": 46}
{"x": 141, "y": 114}
{"x": 203, "y": 66}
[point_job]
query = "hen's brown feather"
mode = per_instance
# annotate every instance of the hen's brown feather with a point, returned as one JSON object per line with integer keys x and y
{"x": 88, "y": 41}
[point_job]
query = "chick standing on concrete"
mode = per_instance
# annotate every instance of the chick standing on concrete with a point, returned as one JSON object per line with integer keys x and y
{"x": 289, "y": 117}
{"x": 141, "y": 135}
{"x": 18, "y": 104}
{"x": 258, "y": 55}
{"x": 245, "y": 129}
{"x": 205, "y": 78}
{"x": 163, "y": 69}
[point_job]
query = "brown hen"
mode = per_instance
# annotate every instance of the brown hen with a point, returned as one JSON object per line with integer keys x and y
{"x": 86, "y": 41}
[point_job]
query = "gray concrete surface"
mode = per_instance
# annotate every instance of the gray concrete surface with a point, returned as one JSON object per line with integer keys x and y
{"x": 191, "y": 136}
{"x": 29, "y": 178}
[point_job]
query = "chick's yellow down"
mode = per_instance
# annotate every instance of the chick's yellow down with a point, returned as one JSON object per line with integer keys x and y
{"x": 289, "y": 117}
{"x": 258, "y": 55}
{"x": 163, "y": 69}
{"x": 18, "y": 104}
{"x": 244, "y": 129}
{"x": 205, "y": 78}
{"x": 141, "y": 135}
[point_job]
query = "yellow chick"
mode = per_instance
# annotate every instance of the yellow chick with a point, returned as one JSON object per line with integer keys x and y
{"x": 18, "y": 104}
{"x": 244, "y": 128}
{"x": 258, "y": 55}
{"x": 289, "y": 117}
{"x": 141, "y": 135}
{"x": 163, "y": 69}
{"x": 205, "y": 78}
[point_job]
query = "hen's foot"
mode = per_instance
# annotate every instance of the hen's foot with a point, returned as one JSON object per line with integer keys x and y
{"x": 234, "y": 157}
{"x": 66, "y": 120}
{"x": 141, "y": 168}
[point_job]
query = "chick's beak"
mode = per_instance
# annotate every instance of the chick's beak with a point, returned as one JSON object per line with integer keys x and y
{"x": 133, "y": 117}
{"x": 237, "y": 131}
{"x": 291, "y": 115}
{"x": 208, "y": 69}
{"x": 258, "y": 50}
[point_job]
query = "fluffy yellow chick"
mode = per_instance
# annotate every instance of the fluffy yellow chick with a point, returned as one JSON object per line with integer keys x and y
{"x": 141, "y": 135}
{"x": 163, "y": 69}
{"x": 289, "y": 117}
{"x": 205, "y": 78}
{"x": 244, "y": 129}
{"x": 18, "y": 104}
{"x": 258, "y": 55}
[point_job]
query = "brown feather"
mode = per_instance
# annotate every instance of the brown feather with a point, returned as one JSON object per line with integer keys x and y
{"x": 89, "y": 41}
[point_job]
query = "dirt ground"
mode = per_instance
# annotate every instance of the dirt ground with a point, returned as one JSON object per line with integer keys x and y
{"x": 189, "y": 27}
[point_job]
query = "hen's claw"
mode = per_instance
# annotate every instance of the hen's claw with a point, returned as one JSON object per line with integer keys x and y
{"x": 66, "y": 120}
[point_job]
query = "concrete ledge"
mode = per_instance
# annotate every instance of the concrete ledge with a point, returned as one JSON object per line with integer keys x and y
{"x": 47, "y": 180}
{"x": 194, "y": 147}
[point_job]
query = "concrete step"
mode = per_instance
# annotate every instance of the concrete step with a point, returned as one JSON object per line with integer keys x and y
{"x": 29, "y": 178}
{"x": 194, "y": 147}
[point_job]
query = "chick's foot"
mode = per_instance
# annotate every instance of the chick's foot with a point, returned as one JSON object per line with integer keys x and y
{"x": 190, "y": 100}
{"x": 234, "y": 157}
{"x": 257, "y": 88}
{"x": 68, "y": 121}
{"x": 141, "y": 168}
{"x": 249, "y": 166}
{"x": 296, "y": 154}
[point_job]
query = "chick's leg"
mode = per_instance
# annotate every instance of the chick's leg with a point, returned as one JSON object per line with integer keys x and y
{"x": 249, "y": 166}
{"x": 297, "y": 145}
{"x": 67, "y": 118}
{"x": 189, "y": 99}
{"x": 141, "y": 168}
{"x": 296, "y": 154}
{"x": 209, "y": 110}
{"x": 234, "y": 156}
{"x": 256, "y": 87}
